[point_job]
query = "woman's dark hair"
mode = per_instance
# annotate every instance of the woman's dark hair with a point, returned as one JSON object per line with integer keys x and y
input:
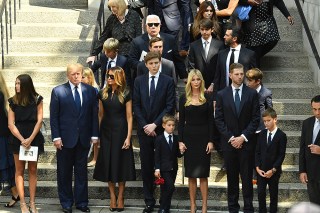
{"x": 27, "y": 92}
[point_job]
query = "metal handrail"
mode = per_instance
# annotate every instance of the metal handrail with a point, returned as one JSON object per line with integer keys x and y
{"x": 308, "y": 33}
{"x": 6, "y": 17}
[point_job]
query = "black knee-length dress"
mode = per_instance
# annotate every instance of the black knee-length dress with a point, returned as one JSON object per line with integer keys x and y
{"x": 114, "y": 164}
{"x": 196, "y": 130}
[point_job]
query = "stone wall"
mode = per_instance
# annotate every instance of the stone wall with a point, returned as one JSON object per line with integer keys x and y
{"x": 311, "y": 9}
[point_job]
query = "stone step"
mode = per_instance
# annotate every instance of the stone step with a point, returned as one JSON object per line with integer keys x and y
{"x": 285, "y": 60}
{"x": 287, "y": 75}
{"x": 52, "y": 30}
{"x": 16, "y": 59}
{"x": 292, "y": 106}
{"x": 57, "y": 3}
{"x": 288, "y": 45}
{"x": 30, "y": 14}
{"x": 293, "y": 90}
{"x": 290, "y": 31}
{"x": 50, "y": 45}
{"x": 288, "y": 192}
{"x": 281, "y": 19}
{"x": 47, "y": 172}
{"x": 52, "y": 205}
{"x": 291, "y": 158}
{"x": 291, "y": 122}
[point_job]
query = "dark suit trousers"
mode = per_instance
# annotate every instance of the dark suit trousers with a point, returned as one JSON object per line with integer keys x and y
{"x": 314, "y": 191}
{"x": 147, "y": 167}
{"x": 167, "y": 189}
{"x": 239, "y": 161}
{"x": 69, "y": 159}
{"x": 273, "y": 184}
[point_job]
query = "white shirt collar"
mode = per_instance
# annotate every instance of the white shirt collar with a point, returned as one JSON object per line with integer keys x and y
{"x": 166, "y": 135}
{"x": 237, "y": 48}
{"x": 156, "y": 75}
{"x": 259, "y": 88}
{"x": 273, "y": 132}
{"x": 233, "y": 88}
{"x": 73, "y": 86}
{"x": 209, "y": 40}
{"x": 114, "y": 60}
{"x": 156, "y": 36}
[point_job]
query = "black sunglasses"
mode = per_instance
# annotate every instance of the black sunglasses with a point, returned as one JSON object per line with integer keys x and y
{"x": 153, "y": 24}
{"x": 110, "y": 76}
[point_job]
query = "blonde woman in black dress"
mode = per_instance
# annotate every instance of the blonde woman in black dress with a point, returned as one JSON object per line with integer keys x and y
{"x": 24, "y": 120}
{"x": 115, "y": 163}
{"x": 196, "y": 136}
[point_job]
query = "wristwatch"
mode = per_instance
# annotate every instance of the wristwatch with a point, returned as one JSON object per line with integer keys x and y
{"x": 274, "y": 170}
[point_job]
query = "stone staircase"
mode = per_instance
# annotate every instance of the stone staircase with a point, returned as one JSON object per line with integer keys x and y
{"x": 51, "y": 34}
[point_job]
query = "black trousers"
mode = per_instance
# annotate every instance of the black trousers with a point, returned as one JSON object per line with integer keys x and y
{"x": 314, "y": 191}
{"x": 147, "y": 167}
{"x": 273, "y": 184}
{"x": 261, "y": 50}
{"x": 167, "y": 189}
{"x": 239, "y": 162}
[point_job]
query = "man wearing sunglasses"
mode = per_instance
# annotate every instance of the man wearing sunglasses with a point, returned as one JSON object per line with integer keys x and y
{"x": 140, "y": 46}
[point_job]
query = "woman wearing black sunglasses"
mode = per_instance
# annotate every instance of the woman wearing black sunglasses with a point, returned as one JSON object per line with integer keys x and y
{"x": 115, "y": 162}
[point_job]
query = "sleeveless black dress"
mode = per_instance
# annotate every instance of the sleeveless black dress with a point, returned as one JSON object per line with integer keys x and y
{"x": 25, "y": 120}
{"x": 114, "y": 164}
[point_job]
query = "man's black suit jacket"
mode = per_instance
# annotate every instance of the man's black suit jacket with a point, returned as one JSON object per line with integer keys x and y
{"x": 167, "y": 68}
{"x": 102, "y": 64}
{"x": 271, "y": 155}
{"x": 229, "y": 123}
{"x": 206, "y": 65}
{"x": 265, "y": 101}
{"x": 165, "y": 158}
{"x": 309, "y": 162}
{"x": 170, "y": 52}
{"x": 164, "y": 101}
{"x": 246, "y": 57}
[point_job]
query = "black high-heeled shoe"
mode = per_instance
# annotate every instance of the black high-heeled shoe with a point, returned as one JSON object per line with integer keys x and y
{"x": 15, "y": 199}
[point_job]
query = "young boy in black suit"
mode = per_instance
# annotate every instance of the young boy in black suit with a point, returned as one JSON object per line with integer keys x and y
{"x": 270, "y": 153}
{"x": 166, "y": 163}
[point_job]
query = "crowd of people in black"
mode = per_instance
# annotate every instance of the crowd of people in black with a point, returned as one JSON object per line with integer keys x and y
{"x": 224, "y": 107}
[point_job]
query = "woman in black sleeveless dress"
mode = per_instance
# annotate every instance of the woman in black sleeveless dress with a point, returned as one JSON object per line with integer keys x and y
{"x": 115, "y": 163}
{"x": 24, "y": 120}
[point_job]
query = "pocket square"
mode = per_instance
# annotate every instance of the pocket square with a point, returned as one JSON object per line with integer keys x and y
{"x": 169, "y": 51}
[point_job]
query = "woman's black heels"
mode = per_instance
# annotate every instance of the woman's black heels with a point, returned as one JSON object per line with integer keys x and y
{"x": 15, "y": 199}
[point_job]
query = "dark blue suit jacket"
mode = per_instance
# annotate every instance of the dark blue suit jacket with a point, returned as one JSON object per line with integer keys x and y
{"x": 271, "y": 155}
{"x": 170, "y": 52}
{"x": 229, "y": 123}
{"x": 65, "y": 121}
{"x": 164, "y": 101}
{"x": 102, "y": 64}
{"x": 165, "y": 159}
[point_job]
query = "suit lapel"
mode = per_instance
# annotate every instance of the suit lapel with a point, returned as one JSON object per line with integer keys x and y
{"x": 212, "y": 48}
{"x": 158, "y": 87}
{"x": 310, "y": 131}
{"x": 84, "y": 98}
{"x": 146, "y": 91}
{"x": 200, "y": 46}
{"x": 231, "y": 100}
{"x": 69, "y": 94}
{"x": 274, "y": 139}
{"x": 243, "y": 97}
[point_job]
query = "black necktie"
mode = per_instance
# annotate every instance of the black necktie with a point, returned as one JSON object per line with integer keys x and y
{"x": 269, "y": 138}
{"x": 77, "y": 99}
{"x": 237, "y": 101}
{"x": 109, "y": 64}
{"x": 170, "y": 141}
{"x": 232, "y": 57}
{"x": 152, "y": 89}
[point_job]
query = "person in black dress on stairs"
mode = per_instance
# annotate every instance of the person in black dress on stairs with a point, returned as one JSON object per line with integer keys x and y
{"x": 196, "y": 136}
{"x": 24, "y": 120}
{"x": 115, "y": 163}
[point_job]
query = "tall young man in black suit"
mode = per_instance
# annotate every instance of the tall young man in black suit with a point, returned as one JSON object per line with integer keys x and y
{"x": 242, "y": 55}
{"x": 309, "y": 156}
{"x": 237, "y": 117}
{"x": 153, "y": 97}
{"x": 166, "y": 163}
{"x": 269, "y": 156}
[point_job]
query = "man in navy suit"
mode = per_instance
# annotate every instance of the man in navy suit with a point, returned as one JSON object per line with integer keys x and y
{"x": 140, "y": 46}
{"x": 242, "y": 55}
{"x": 309, "y": 159}
{"x": 74, "y": 123}
{"x": 237, "y": 118}
{"x": 153, "y": 97}
{"x": 111, "y": 58}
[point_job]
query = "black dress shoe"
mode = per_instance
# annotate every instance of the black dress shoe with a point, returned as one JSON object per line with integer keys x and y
{"x": 120, "y": 209}
{"x": 83, "y": 208}
{"x": 147, "y": 209}
{"x": 67, "y": 210}
{"x": 113, "y": 209}
{"x": 162, "y": 211}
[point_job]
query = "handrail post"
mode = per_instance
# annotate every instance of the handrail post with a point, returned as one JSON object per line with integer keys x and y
{"x": 2, "y": 48}
{"x": 10, "y": 19}
{"x": 6, "y": 22}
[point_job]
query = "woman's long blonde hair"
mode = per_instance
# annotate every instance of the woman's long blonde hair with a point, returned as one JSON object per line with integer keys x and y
{"x": 120, "y": 80}
{"x": 188, "y": 89}
{"x": 4, "y": 90}
{"x": 120, "y": 4}
{"x": 87, "y": 72}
